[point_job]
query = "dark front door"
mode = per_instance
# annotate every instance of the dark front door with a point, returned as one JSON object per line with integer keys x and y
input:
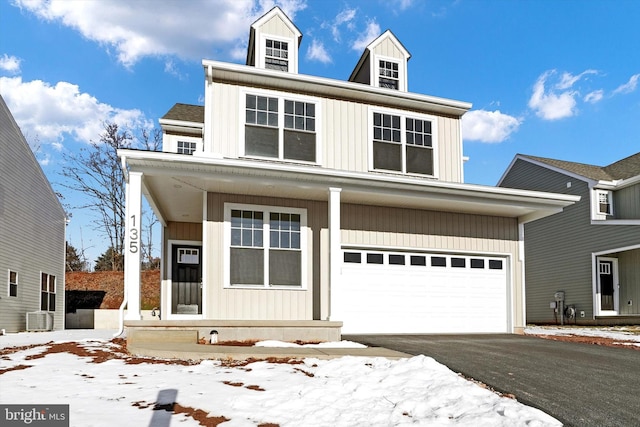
{"x": 605, "y": 269}
{"x": 186, "y": 280}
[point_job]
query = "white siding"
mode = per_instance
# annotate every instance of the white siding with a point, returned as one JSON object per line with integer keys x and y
{"x": 32, "y": 229}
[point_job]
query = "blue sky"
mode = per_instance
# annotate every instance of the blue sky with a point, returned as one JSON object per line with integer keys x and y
{"x": 557, "y": 79}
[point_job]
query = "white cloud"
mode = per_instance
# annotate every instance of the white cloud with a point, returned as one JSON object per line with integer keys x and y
{"x": 550, "y": 105}
{"x": 52, "y": 113}
{"x": 135, "y": 29}
{"x": 568, "y": 80}
{"x": 317, "y": 52}
{"x": 10, "y": 64}
{"x": 629, "y": 86}
{"x": 344, "y": 17}
{"x": 403, "y": 4}
{"x": 369, "y": 35}
{"x": 488, "y": 126}
{"x": 595, "y": 96}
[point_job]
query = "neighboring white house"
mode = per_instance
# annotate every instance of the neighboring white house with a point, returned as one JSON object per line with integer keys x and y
{"x": 295, "y": 198}
{"x": 32, "y": 237}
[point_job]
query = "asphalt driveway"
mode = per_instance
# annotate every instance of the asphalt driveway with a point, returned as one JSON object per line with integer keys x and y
{"x": 579, "y": 384}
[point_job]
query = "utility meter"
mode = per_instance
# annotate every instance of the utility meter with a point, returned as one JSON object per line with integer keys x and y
{"x": 559, "y": 296}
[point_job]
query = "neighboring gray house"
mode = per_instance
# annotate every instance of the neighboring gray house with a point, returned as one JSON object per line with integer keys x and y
{"x": 590, "y": 251}
{"x": 32, "y": 237}
{"x": 291, "y": 200}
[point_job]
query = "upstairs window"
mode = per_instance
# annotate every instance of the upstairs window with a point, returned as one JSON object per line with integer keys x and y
{"x": 276, "y": 55}
{"x": 13, "y": 284}
{"x": 402, "y": 144}
{"x": 388, "y": 75}
{"x": 47, "y": 292}
{"x": 280, "y": 128}
{"x": 604, "y": 202}
{"x": 186, "y": 147}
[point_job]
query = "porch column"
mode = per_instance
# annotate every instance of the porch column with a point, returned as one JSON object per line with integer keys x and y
{"x": 132, "y": 247}
{"x": 335, "y": 246}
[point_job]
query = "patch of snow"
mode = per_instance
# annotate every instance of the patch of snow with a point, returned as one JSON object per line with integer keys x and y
{"x": 347, "y": 391}
{"x": 617, "y": 333}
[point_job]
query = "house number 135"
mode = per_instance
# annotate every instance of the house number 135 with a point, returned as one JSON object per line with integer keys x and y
{"x": 134, "y": 235}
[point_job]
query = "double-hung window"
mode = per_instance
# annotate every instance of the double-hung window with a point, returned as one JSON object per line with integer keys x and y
{"x": 266, "y": 246}
{"x": 13, "y": 283}
{"x": 402, "y": 144}
{"x": 280, "y": 128}
{"x": 602, "y": 204}
{"x": 388, "y": 74}
{"x": 47, "y": 292}
{"x": 276, "y": 55}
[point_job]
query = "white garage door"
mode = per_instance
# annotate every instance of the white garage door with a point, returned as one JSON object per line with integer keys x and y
{"x": 393, "y": 292}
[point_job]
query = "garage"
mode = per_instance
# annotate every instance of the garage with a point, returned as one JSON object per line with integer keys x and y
{"x": 406, "y": 292}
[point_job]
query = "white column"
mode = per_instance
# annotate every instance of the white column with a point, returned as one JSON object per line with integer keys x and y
{"x": 335, "y": 245}
{"x": 132, "y": 247}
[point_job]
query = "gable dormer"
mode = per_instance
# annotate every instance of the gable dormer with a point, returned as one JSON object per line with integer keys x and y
{"x": 383, "y": 64}
{"x": 274, "y": 42}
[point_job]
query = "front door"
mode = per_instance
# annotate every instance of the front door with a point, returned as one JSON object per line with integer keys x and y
{"x": 186, "y": 280}
{"x": 607, "y": 283}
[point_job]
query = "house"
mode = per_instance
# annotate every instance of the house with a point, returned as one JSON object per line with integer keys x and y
{"x": 294, "y": 201}
{"x": 32, "y": 237}
{"x": 590, "y": 251}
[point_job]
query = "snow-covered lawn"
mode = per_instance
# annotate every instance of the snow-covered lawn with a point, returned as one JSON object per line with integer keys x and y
{"x": 622, "y": 335}
{"x": 105, "y": 387}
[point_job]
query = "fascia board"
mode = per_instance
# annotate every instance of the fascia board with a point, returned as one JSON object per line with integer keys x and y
{"x": 389, "y": 34}
{"x": 452, "y": 191}
{"x": 180, "y": 123}
{"x": 242, "y": 74}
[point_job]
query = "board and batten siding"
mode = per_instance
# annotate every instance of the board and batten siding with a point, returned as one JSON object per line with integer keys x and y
{"x": 629, "y": 263}
{"x": 389, "y": 49}
{"x": 558, "y": 249}
{"x": 626, "y": 202}
{"x": 32, "y": 230}
{"x": 265, "y": 304}
{"x": 343, "y": 129}
{"x": 276, "y": 27}
{"x": 397, "y": 228}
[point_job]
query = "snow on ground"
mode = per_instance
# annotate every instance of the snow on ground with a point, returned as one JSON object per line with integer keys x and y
{"x": 349, "y": 391}
{"x": 629, "y": 335}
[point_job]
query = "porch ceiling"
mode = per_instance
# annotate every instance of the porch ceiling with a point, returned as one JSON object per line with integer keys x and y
{"x": 175, "y": 185}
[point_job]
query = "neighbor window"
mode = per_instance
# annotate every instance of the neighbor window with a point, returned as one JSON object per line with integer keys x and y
{"x": 388, "y": 74}
{"x": 276, "y": 55}
{"x": 280, "y": 128}
{"x": 266, "y": 247}
{"x": 402, "y": 144}
{"x": 186, "y": 147}
{"x": 47, "y": 292}
{"x": 604, "y": 202}
{"x": 13, "y": 284}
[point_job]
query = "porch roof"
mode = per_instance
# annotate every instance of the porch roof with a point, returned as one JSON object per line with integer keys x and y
{"x": 174, "y": 186}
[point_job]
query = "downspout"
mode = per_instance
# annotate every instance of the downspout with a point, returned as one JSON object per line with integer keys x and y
{"x": 123, "y": 165}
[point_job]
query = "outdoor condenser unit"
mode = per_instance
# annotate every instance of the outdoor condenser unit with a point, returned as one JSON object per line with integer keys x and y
{"x": 39, "y": 321}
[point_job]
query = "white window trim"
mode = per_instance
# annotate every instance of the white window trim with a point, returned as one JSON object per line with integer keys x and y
{"x": 281, "y": 96}
{"x": 596, "y": 215}
{"x": 402, "y": 71}
{"x": 403, "y": 116}
{"x": 17, "y": 283}
{"x": 304, "y": 249}
{"x": 173, "y": 142}
{"x": 261, "y": 53}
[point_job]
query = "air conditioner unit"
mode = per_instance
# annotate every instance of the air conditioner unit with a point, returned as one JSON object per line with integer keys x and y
{"x": 38, "y": 321}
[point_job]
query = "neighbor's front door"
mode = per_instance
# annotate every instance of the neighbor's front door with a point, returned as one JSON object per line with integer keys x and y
{"x": 186, "y": 280}
{"x": 607, "y": 283}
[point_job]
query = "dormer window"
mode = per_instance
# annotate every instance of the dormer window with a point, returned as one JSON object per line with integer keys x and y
{"x": 601, "y": 204}
{"x": 276, "y": 55}
{"x": 388, "y": 74}
{"x": 187, "y": 147}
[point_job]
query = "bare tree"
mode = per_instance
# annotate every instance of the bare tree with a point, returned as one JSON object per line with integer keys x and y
{"x": 95, "y": 172}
